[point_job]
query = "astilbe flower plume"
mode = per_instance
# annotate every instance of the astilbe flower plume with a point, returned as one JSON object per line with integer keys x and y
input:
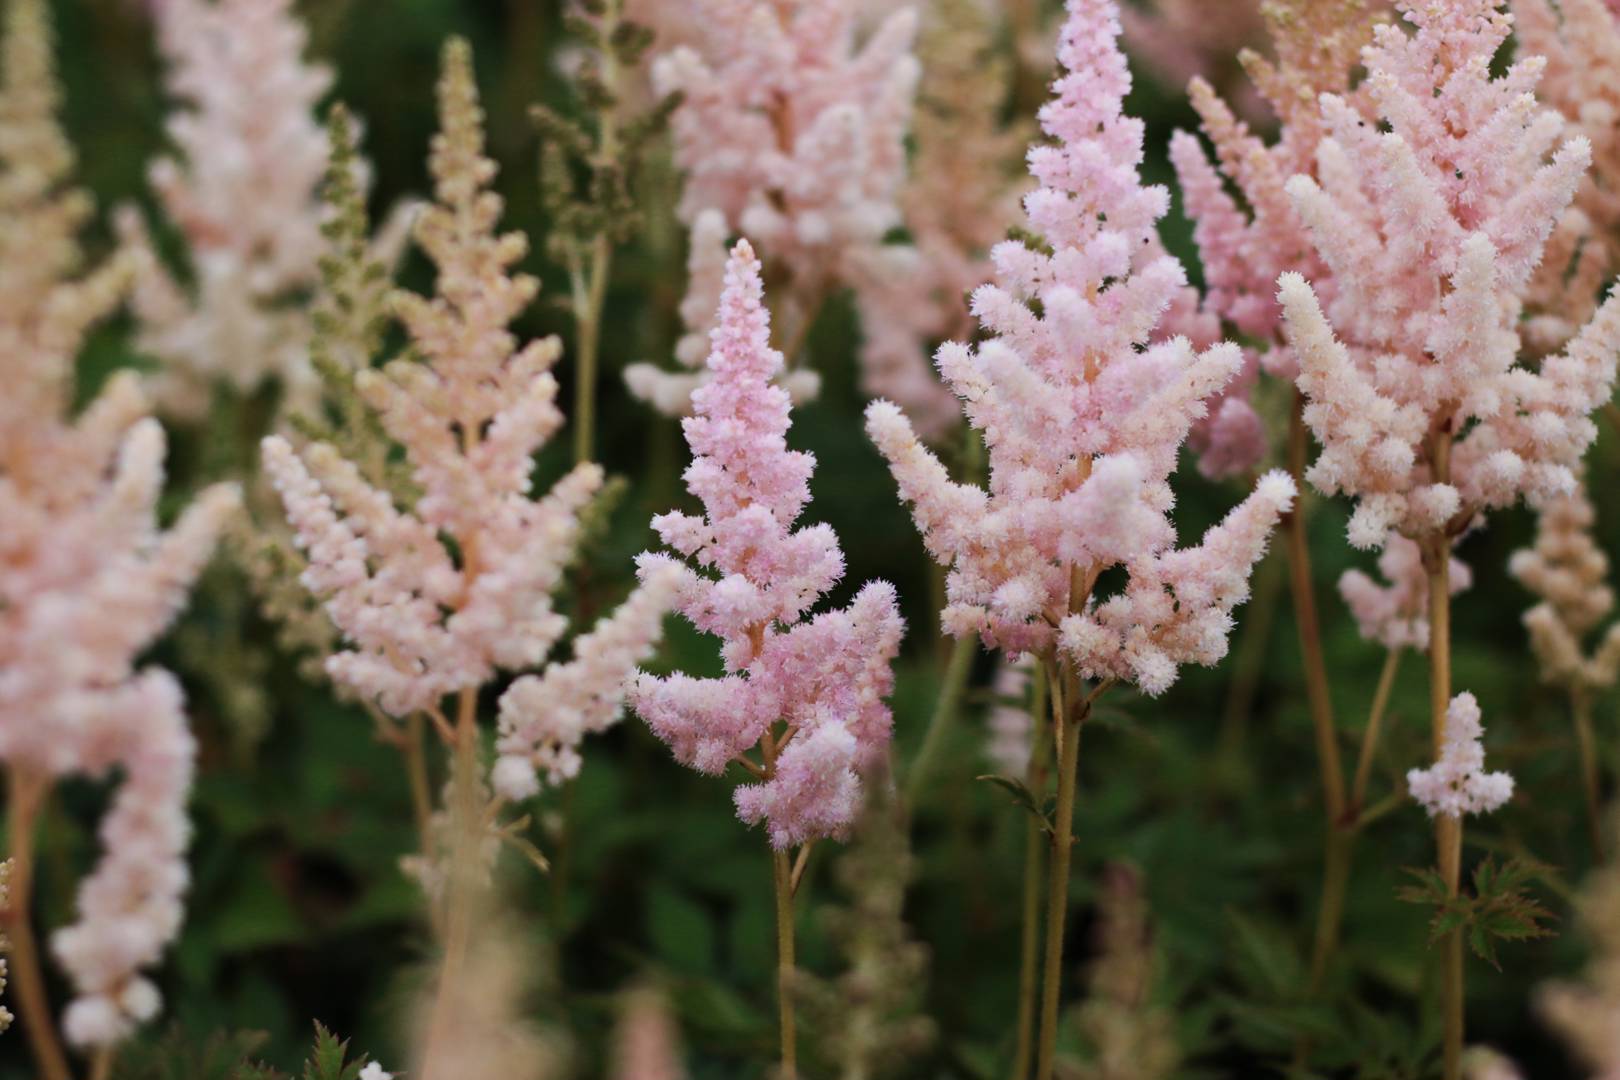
{"x": 434, "y": 598}
{"x": 88, "y": 579}
{"x": 242, "y": 192}
{"x": 1457, "y": 783}
{"x": 1569, "y": 573}
{"x": 1082, "y": 417}
{"x": 1396, "y": 614}
{"x": 1431, "y": 231}
{"x": 824, "y": 677}
{"x": 796, "y": 139}
{"x": 1580, "y": 41}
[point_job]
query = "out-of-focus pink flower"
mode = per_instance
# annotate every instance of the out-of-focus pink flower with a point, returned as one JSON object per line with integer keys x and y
{"x": 1083, "y": 412}
{"x": 1396, "y": 615}
{"x": 824, "y": 677}
{"x": 1458, "y": 784}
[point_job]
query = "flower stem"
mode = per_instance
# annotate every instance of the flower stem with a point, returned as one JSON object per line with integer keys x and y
{"x": 782, "y": 877}
{"x": 467, "y": 831}
{"x": 957, "y": 671}
{"x": 1375, "y": 727}
{"x": 1069, "y": 710}
{"x": 416, "y": 770}
{"x": 1030, "y": 939}
{"x": 26, "y": 794}
{"x": 1581, "y": 708}
{"x": 1310, "y": 632}
{"x": 1448, "y": 829}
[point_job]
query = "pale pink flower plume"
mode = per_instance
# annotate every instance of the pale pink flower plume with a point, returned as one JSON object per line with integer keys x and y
{"x": 243, "y": 192}
{"x": 88, "y": 579}
{"x": 1396, "y": 614}
{"x": 755, "y": 581}
{"x": 1458, "y": 784}
{"x": 1580, "y": 41}
{"x": 1011, "y": 735}
{"x": 1082, "y": 416}
{"x": 646, "y": 1040}
{"x": 1432, "y": 230}
{"x": 797, "y": 140}
{"x": 435, "y": 598}
{"x": 1570, "y": 574}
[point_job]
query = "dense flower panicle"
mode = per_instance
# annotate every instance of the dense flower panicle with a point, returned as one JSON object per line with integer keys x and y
{"x": 798, "y": 141}
{"x": 433, "y": 599}
{"x": 88, "y": 580}
{"x": 1457, "y": 783}
{"x": 1396, "y": 615}
{"x": 1244, "y": 250}
{"x": 1569, "y": 572}
{"x": 1431, "y": 231}
{"x": 1083, "y": 413}
{"x": 1580, "y": 41}
{"x": 755, "y": 581}
{"x": 243, "y": 194}
{"x": 1586, "y": 1014}
{"x": 960, "y": 199}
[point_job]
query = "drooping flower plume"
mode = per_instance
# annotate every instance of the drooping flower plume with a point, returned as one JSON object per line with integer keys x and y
{"x": 1457, "y": 783}
{"x": 88, "y": 579}
{"x": 434, "y": 598}
{"x": 1082, "y": 416}
{"x": 823, "y": 678}
{"x": 1431, "y": 231}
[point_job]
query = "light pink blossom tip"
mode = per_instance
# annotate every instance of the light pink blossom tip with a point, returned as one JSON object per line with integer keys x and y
{"x": 1458, "y": 784}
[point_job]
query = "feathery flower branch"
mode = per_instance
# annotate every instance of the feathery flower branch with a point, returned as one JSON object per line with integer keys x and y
{"x": 805, "y": 692}
{"x": 1431, "y": 230}
{"x": 1083, "y": 412}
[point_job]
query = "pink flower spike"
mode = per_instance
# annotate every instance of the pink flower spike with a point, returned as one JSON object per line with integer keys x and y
{"x": 1458, "y": 784}
{"x": 756, "y": 579}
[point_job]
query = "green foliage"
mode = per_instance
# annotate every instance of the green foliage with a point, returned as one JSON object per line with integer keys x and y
{"x": 1499, "y": 909}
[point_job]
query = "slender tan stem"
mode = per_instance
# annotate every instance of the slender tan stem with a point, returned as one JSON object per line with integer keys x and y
{"x": 25, "y": 795}
{"x": 101, "y": 1066}
{"x": 1310, "y": 633}
{"x": 1448, "y": 829}
{"x": 951, "y": 687}
{"x": 782, "y": 878}
{"x": 416, "y": 770}
{"x": 1030, "y": 938}
{"x": 1069, "y": 709}
{"x": 1330, "y": 914}
{"x": 467, "y": 831}
{"x": 1581, "y": 710}
{"x": 1374, "y": 730}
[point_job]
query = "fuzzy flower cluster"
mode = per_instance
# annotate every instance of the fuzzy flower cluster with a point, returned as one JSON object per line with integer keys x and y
{"x": 823, "y": 677}
{"x": 1432, "y": 229}
{"x": 1569, "y": 572}
{"x": 87, "y": 578}
{"x": 433, "y": 599}
{"x": 1396, "y": 614}
{"x": 243, "y": 193}
{"x": 797, "y": 141}
{"x": 1243, "y": 251}
{"x": 1457, "y": 783}
{"x": 1083, "y": 414}
{"x": 1580, "y": 40}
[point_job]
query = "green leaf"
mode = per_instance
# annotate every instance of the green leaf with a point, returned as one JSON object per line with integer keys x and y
{"x": 1022, "y": 797}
